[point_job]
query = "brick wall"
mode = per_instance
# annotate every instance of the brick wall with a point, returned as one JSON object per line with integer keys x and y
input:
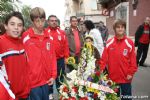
{"x": 143, "y": 10}
{"x": 109, "y": 24}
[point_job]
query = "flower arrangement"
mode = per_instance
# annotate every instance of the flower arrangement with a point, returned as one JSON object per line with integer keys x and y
{"x": 86, "y": 82}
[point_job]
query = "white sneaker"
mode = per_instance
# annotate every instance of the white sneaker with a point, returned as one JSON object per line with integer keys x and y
{"x": 51, "y": 97}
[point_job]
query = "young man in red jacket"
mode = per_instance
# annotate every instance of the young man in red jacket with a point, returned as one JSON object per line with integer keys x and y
{"x": 119, "y": 55}
{"x": 61, "y": 49}
{"x": 41, "y": 56}
{"x": 14, "y": 83}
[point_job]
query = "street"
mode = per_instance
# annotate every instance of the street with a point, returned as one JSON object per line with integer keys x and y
{"x": 141, "y": 82}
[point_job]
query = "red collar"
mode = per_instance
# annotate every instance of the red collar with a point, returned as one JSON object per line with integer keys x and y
{"x": 124, "y": 37}
{"x": 51, "y": 28}
{"x": 11, "y": 38}
{"x": 32, "y": 34}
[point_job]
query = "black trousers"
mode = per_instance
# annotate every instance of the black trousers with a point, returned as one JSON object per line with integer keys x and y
{"x": 142, "y": 53}
{"x": 23, "y": 99}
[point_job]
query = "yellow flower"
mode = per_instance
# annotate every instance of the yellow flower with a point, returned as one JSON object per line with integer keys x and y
{"x": 93, "y": 75}
{"x": 71, "y": 60}
{"x": 89, "y": 89}
{"x": 96, "y": 91}
{"x": 93, "y": 90}
{"x": 105, "y": 77}
{"x": 89, "y": 47}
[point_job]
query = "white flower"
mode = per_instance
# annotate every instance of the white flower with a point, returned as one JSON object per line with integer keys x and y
{"x": 99, "y": 94}
{"x": 102, "y": 97}
{"x": 61, "y": 89}
{"x": 72, "y": 75}
{"x": 81, "y": 93}
{"x": 65, "y": 95}
{"x": 89, "y": 98}
{"x": 89, "y": 68}
{"x": 73, "y": 94}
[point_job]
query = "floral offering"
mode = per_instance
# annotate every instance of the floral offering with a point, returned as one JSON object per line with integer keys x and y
{"x": 86, "y": 82}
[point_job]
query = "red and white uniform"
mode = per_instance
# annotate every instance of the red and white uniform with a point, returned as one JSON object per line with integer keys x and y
{"x": 14, "y": 68}
{"x": 60, "y": 42}
{"x": 5, "y": 92}
{"x": 41, "y": 57}
{"x": 121, "y": 59}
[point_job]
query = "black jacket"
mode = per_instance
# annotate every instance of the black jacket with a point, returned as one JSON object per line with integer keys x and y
{"x": 138, "y": 34}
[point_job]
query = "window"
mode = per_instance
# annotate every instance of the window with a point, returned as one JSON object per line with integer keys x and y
{"x": 93, "y": 4}
{"x": 121, "y": 12}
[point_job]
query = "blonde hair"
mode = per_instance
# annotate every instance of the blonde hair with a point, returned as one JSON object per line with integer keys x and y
{"x": 37, "y": 12}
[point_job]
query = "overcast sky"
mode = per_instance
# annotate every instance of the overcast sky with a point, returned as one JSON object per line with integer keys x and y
{"x": 55, "y": 7}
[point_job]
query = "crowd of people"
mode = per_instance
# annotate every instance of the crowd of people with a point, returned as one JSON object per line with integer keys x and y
{"x": 32, "y": 59}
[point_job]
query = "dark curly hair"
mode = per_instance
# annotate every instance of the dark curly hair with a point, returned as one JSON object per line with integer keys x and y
{"x": 89, "y": 24}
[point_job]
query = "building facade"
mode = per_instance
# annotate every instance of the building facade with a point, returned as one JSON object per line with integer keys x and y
{"x": 132, "y": 11}
{"x": 87, "y": 9}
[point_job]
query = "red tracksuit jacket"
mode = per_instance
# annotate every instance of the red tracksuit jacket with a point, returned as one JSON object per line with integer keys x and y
{"x": 13, "y": 57}
{"x": 121, "y": 59}
{"x": 41, "y": 57}
{"x": 60, "y": 42}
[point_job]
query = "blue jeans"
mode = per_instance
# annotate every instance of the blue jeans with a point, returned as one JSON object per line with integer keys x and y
{"x": 60, "y": 73}
{"x": 125, "y": 91}
{"x": 39, "y": 93}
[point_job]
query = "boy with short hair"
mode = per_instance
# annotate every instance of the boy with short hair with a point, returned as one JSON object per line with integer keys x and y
{"x": 14, "y": 83}
{"x": 119, "y": 54}
{"x": 41, "y": 56}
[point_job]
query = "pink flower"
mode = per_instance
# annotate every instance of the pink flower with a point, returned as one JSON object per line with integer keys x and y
{"x": 116, "y": 90}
